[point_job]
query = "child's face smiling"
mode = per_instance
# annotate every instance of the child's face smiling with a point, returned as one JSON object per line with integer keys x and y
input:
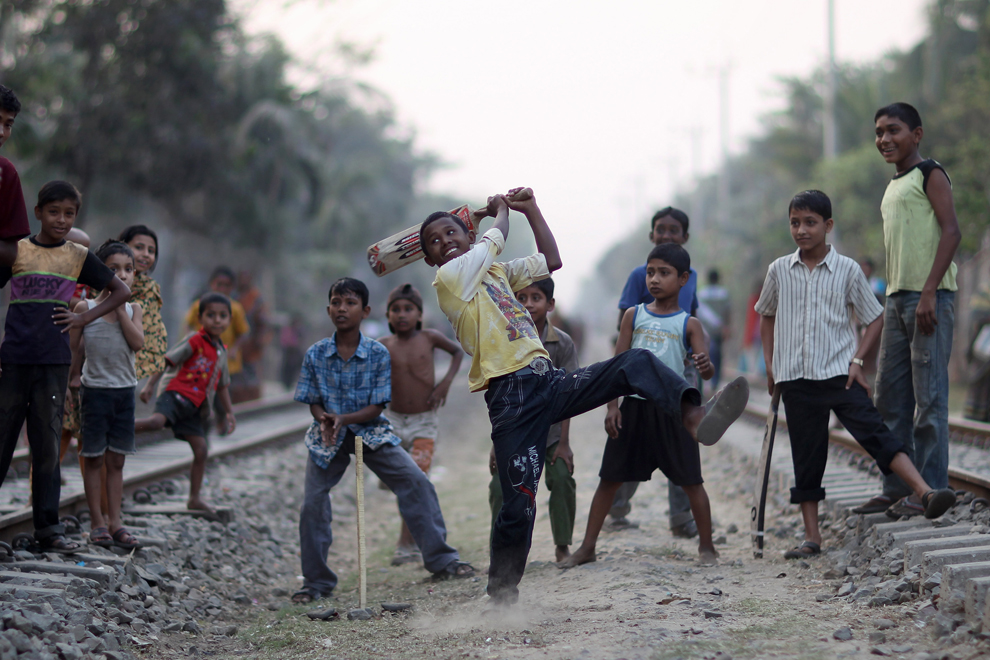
{"x": 403, "y": 316}
{"x": 808, "y": 229}
{"x": 536, "y": 303}
{"x": 896, "y": 142}
{"x": 215, "y": 318}
{"x": 122, "y": 266}
{"x": 662, "y": 279}
{"x": 145, "y": 252}
{"x": 444, "y": 240}
{"x": 56, "y": 220}
{"x": 668, "y": 230}
{"x": 346, "y": 312}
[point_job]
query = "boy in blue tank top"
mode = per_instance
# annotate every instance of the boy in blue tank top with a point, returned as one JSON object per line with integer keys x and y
{"x": 641, "y": 437}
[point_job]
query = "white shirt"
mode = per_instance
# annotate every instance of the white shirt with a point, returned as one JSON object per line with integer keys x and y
{"x": 814, "y": 336}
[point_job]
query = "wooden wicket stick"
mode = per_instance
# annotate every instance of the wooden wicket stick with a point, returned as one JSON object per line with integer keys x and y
{"x": 362, "y": 559}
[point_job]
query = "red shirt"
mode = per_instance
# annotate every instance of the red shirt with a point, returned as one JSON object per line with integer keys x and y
{"x": 13, "y": 213}
{"x": 196, "y": 358}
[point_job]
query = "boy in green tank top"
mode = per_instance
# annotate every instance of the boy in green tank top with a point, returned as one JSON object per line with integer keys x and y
{"x": 921, "y": 235}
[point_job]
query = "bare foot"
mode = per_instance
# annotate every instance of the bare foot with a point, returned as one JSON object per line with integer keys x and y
{"x": 709, "y": 556}
{"x": 562, "y": 553}
{"x": 580, "y": 556}
{"x": 196, "y": 504}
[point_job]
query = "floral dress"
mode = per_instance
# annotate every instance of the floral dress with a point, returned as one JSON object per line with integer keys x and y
{"x": 150, "y": 360}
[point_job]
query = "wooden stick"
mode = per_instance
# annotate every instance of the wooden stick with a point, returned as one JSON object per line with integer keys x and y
{"x": 362, "y": 559}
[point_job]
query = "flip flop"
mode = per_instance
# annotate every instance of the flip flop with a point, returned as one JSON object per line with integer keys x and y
{"x": 937, "y": 502}
{"x": 59, "y": 545}
{"x": 101, "y": 536}
{"x": 124, "y": 539}
{"x": 806, "y": 549}
{"x": 905, "y": 507}
{"x": 306, "y": 595}
{"x": 455, "y": 570}
{"x": 722, "y": 410}
{"x": 876, "y": 504}
{"x": 403, "y": 556}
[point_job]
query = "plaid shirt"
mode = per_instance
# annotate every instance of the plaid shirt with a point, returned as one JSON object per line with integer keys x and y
{"x": 343, "y": 387}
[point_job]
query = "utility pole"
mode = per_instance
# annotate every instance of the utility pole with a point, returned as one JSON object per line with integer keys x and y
{"x": 830, "y": 146}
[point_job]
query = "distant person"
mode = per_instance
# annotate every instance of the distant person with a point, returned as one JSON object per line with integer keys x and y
{"x": 716, "y": 298}
{"x": 253, "y": 348}
{"x": 290, "y": 339}
{"x": 920, "y": 234}
{"x": 13, "y": 211}
{"x": 346, "y": 380}
{"x": 196, "y": 380}
{"x": 641, "y": 437}
{"x": 35, "y": 354}
{"x": 416, "y": 395}
{"x": 877, "y": 284}
{"x": 668, "y": 225}
{"x": 751, "y": 359}
{"x": 812, "y": 355}
{"x": 558, "y": 475}
{"x": 103, "y": 365}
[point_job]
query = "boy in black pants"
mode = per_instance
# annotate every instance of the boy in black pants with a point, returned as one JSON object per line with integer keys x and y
{"x": 810, "y": 349}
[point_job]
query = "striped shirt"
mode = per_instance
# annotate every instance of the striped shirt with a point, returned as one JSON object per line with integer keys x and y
{"x": 814, "y": 336}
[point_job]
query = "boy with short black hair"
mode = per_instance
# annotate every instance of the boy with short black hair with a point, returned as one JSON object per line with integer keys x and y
{"x": 811, "y": 354}
{"x": 195, "y": 377}
{"x": 416, "y": 395}
{"x": 920, "y": 236}
{"x": 526, "y": 394}
{"x": 538, "y": 300}
{"x": 668, "y": 225}
{"x": 641, "y": 437}
{"x": 13, "y": 211}
{"x": 35, "y": 354}
{"x": 346, "y": 380}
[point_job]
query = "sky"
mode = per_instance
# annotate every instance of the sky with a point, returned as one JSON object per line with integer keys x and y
{"x": 604, "y": 108}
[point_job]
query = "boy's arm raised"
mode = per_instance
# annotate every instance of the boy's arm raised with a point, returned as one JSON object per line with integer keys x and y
{"x": 524, "y": 201}
{"x": 939, "y": 193}
{"x": 119, "y": 294}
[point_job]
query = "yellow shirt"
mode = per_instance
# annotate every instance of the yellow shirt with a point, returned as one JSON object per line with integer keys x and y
{"x": 238, "y": 326}
{"x": 476, "y": 294}
{"x": 911, "y": 232}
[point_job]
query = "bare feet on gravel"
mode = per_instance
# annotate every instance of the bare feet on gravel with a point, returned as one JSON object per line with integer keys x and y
{"x": 708, "y": 556}
{"x": 562, "y": 552}
{"x": 580, "y": 556}
{"x": 197, "y": 504}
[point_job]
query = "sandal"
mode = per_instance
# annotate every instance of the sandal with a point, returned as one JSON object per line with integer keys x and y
{"x": 124, "y": 539}
{"x": 904, "y": 507}
{"x": 58, "y": 544}
{"x": 306, "y": 595}
{"x": 722, "y": 410}
{"x": 806, "y": 549}
{"x": 876, "y": 504}
{"x": 101, "y": 536}
{"x": 937, "y": 502}
{"x": 455, "y": 570}
{"x": 403, "y": 556}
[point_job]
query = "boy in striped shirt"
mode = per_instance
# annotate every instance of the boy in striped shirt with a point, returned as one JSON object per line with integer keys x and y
{"x": 811, "y": 353}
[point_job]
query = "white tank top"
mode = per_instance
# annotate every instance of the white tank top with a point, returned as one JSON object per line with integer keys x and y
{"x": 109, "y": 360}
{"x": 664, "y": 335}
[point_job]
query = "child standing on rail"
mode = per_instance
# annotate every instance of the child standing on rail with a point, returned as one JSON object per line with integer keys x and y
{"x": 35, "y": 354}
{"x": 538, "y": 300}
{"x": 920, "y": 236}
{"x": 346, "y": 380}
{"x": 103, "y": 364}
{"x": 526, "y": 394}
{"x": 415, "y": 394}
{"x": 641, "y": 437}
{"x": 195, "y": 375}
{"x": 809, "y": 344}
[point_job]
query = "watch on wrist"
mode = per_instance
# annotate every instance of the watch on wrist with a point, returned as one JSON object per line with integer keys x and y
{"x": 856, "y": 360}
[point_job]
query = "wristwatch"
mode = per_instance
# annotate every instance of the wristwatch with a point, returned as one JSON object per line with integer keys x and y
{"x": 856, "y": 360}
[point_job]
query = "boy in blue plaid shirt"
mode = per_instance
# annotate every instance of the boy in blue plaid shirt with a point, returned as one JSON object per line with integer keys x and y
{"x": 347, "y": 379}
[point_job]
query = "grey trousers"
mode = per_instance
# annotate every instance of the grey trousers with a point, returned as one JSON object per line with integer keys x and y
{"x": 418, "y": 505}
{"x": 680, "y": 505}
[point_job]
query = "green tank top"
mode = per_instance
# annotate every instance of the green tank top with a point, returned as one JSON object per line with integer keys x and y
{"x": 911, "y": 232}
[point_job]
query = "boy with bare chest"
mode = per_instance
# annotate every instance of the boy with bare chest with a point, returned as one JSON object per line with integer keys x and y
{"x": 415, "y": 393}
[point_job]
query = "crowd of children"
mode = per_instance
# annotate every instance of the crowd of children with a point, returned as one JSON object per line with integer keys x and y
{"x": 83, "y": 329}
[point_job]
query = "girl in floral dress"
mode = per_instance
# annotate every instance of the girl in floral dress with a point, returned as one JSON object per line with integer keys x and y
{"x": 150, "y": 360}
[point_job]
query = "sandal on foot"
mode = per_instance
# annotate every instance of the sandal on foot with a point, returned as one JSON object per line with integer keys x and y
{"x": 806, "y": 549}
{"x": 937, "y": 502}
{"x": 403, "y": 556}
{"x": 904, "y": 507}
{"x": 722, "y": 410}
{"x": 124, "y": 539}
{"x": 101, "y": 536}
{"x": 306, "y": 595}
{"x": 455, "y": 570}
{"x": 876, "y": 504}
{"x": 59, "y": 545}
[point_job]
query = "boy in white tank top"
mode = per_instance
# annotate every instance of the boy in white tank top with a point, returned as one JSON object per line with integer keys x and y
{"x": 642, "y": 437}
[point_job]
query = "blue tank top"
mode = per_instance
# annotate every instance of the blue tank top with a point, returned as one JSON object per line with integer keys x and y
{"x": 664, "y": 335}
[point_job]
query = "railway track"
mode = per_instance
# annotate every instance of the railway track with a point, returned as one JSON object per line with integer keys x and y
{"x": 261, "y": 423}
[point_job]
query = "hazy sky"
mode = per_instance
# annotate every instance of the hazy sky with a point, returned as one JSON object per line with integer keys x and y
{"x": 604, "y": 108}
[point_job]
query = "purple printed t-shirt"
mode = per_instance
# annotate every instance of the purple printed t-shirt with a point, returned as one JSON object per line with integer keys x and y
{"x": 43, "y": 279}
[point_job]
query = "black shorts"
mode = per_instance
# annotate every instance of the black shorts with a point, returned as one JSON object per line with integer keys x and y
{"x": 185, "y": 418}
{"x": 650, "y": 440}
{"x": 107, "y": 420}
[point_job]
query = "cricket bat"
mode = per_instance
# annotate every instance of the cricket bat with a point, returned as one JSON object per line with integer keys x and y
{"x": 758, "y": 514}
{"x": 362, "y": 553}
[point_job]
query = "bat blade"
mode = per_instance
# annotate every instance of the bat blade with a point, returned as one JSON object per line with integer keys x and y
{"x": 403, "y": 248}
{"x": 758, "y": 513}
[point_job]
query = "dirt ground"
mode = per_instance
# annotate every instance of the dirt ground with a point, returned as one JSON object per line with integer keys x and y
{"x": 645, "y": 598}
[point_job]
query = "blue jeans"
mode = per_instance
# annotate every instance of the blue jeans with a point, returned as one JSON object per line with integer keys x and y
{"x": 522, "y": 407}
{"x": 913, "y": 386}
{"x": 418, "y": 505}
